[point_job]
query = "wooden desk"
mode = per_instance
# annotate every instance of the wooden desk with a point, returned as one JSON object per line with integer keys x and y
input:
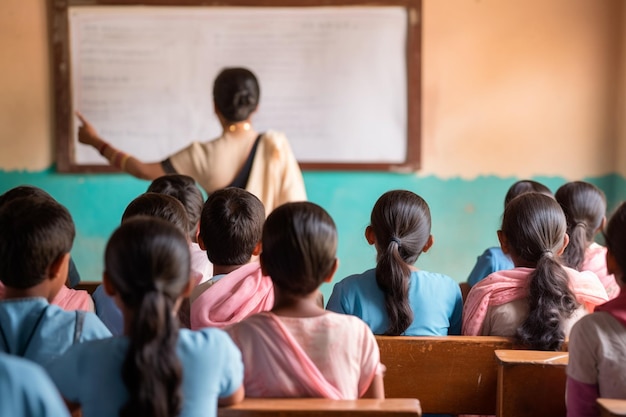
{"x": 449, "y": 375}
{"x": 531, "y": 383}
{"x": 322, "y": 407}
{"x": 610, "y": 407}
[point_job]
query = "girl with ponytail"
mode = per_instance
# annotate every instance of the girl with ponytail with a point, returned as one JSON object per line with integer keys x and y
{"x": 539, "y": 300}
{"x": 155, "y": 369}
{"x": 396, "y": 298}
{"x": 584, "y": 205}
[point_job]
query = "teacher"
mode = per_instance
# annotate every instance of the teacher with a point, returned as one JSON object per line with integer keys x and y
{"x": 262, "y": 163}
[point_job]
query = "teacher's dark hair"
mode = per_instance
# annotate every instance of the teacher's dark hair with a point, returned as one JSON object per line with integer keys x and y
{"x": 615, "y": 237}
{"x": 236, "y": 93}
{"x": 147, "y": 261}
{"x": 534, "y": 226}
{"x": 401, "y": 223}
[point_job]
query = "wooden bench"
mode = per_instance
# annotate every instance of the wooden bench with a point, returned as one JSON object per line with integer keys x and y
{"x": 610, "y": 407}
{"x": 531, "y": 383}
{"x": 89, "y": 286}
{"x": 322, "y": 407}
{"x": 449, "y": 375}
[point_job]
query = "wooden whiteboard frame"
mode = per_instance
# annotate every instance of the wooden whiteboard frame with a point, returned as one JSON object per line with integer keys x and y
{"x": 62, "y": 92}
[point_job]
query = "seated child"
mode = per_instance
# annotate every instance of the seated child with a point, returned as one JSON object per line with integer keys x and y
{"x": 230, "y": 231}
{"x": 396, "y": 298}
{"x": 584, "y": 205}
{"x": 597, "y": 352}
{"x": 539, "y": 300}
{"x": 67, "y": 298}
{"x": 148, "y": 204}
{"x": 185, "y": 190}
{"x": 155, "y": 369}
{"x": 493, "y": 259}
{"x": 36, "y": 235}
{"x": 26, "y": 390}
{"x": 298, "y": 349}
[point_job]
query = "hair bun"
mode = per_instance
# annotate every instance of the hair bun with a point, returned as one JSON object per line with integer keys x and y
{"x": 242, "y": 99}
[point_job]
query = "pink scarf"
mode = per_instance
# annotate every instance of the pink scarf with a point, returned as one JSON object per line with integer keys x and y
{"x": 279, "y": 358}
{"x": 241, "y": 293}
{"x": 616, "y": 307}
{"x": 595, "y": 261}
{"x": 506, "y": 286}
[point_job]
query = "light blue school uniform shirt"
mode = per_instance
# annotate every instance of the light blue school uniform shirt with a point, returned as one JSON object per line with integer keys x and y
{"x": 91, "y": 373}
{"x": 26, "y": 390}
{"x": 39, "y": 331}
{"x": 434, "y": 298}
{"x": 108, "y": 311}
{"x": 492, "y": 260}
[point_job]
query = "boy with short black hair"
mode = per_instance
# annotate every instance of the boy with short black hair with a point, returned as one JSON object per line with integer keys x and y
{"x": 36, "y": 235}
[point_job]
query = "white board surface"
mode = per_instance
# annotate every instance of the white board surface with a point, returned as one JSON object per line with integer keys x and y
{"x": 333, "y": 79}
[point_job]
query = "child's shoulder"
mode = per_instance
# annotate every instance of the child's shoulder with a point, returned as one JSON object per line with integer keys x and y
{"x": 203, "y": 339}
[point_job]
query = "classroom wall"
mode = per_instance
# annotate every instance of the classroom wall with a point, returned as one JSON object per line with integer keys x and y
{"x": 510, "y": 90}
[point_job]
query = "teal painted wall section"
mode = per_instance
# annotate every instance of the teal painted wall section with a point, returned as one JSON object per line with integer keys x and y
{"x": 465, "y": 213}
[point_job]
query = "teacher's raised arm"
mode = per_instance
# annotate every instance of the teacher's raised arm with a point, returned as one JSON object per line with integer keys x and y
{"x": 262, "y": 163}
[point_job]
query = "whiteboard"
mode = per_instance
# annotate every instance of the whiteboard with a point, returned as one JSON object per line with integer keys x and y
{"x": 334, "y": 79}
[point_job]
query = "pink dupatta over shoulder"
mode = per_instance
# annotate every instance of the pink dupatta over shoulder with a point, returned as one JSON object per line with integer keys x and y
{"x": 506, "y": 286}
{"x": 239, "y": 294}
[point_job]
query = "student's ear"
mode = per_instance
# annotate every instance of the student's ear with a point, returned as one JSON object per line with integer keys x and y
{"x": 257, "y": 249}
{"x": 429, "y": 243}
{"x": 565, "y": 243}
{"x": 504, "y": 243}
{"x": 369, "y": 235}
{"x": 201, "y": 242}
{"x": 602, "y": 225}
{"x": 59, "y": 268}
{"x": 109, "y": 289}
{"x": 331, "y": 274}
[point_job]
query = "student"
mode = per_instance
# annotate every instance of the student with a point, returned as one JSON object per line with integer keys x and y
{"x": 493, "y": 259}
{"x": 597, "y": 352}
{"x": 298, "y": 349}
{"x": 396, "y": 298}
{"x": 230, "y": 231}
{"x": 539, "y": 300}
{"x": 584, "y": 205}
{"x": 155, "y": 369}
{"x": 36, "y": 235}
{"x": 148, "y": 204}
{"x": 67, "y": 298}
{"x": 262, "y": 163}
{"x": 26, "y": 390}
{"x": 185, "y": 190}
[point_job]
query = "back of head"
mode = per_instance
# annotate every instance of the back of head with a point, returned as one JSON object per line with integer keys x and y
{"x": 185, "y": 190}
{"x": 231, "y": 225}
{"x": 236, "y": 93}
{"x": 147, "y": 261}
{"x": 584, "y": 205}
{"x": 525, "y": 186}
{"x": 615, "y": 237}
{"x": 299, "y": 247}
{"x": 401, "y": 222}
{"x": 22, "y": 191}
{"x": 534, "y": 226}
{"x": 34, "y": 232}
{"x": 158, "y": 205}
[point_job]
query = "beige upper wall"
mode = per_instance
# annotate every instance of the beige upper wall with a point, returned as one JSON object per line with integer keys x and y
{"x": 620, "y": 154}
{"x": 510, "y": 88}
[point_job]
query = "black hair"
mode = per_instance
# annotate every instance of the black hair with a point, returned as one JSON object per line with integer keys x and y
{"x": 34, "y": 232}
{"x": 584, "y": 206}
{"x": 534, "y": 226}
{"x": 162, "y": 206}
{"x": 23, "y": 191}
{"x": 401, "y": 222}
{"x": 231, "y": 225}
{"x": 236, "y": 93}
{"x": 147, "y": 261}
{"x": 525, "y": 186}
{"x": 299, "y": 247}
{"x": 185, "y": 190}
{"x": 615, "y": 238}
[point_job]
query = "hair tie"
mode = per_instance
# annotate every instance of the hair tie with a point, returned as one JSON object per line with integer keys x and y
{"x": 395, "y": 239}
{"x": 547, "y": 253}
{"x": 582, "y": 224}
